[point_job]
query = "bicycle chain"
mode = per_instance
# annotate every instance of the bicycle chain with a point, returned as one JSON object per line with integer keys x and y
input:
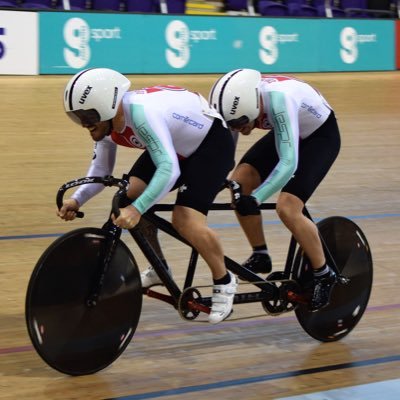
{"x": 272, "y": 307}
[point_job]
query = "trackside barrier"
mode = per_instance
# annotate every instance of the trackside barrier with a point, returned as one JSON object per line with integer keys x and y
{"x": 65, "y": 42}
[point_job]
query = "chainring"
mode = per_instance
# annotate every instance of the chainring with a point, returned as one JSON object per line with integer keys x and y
{"x": 187, "y": 312}
{"x": 281, "y": 304}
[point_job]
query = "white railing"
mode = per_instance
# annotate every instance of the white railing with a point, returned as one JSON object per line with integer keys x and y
{"x": 328, "y": 9}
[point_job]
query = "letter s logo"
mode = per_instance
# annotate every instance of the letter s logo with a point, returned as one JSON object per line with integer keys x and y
{"x": 77, "y": 36}
{"x": 349, "y": 50}
{"x": 177, "y": 37}
{"x": 268, "y": 38}
{"x": 2, "y": 47}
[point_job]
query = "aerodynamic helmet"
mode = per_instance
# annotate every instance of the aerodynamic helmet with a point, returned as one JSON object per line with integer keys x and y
{"x": 93, "y": 95}
{"x": 236, "y": 96}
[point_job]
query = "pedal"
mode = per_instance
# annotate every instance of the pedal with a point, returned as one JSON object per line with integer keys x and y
{"x": 276, "y": 276}
{"x": 343, "y": 280}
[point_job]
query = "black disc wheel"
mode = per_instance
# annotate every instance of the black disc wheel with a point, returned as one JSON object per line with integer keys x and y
{"x": 79, "y": 319}
{"x": 348, "y": 247}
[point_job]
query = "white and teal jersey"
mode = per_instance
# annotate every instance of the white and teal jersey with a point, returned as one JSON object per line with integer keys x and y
{"x": 294, "y": 110}
{"x": 169, "y": 122}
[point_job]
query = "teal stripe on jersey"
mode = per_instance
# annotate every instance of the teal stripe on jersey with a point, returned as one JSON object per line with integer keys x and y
{"x": 160, "y": 156}
{"x": 285, "y": 145}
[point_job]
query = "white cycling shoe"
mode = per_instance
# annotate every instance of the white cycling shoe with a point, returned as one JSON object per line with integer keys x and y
{"x": 222, "y": 300}
{"x": 150, "y": 278}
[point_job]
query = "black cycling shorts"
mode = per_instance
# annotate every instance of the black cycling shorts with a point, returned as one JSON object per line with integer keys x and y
{"x": 316, "y": 155}
{"x": 202, "y": 174}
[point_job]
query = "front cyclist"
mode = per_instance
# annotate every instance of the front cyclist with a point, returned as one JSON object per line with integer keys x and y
{"x": 292, "y": 158}
{"x": 186, "y": 146}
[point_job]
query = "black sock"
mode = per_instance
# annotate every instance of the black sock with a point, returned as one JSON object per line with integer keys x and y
{"x": 321, "y": 271}
{"x": 260, "y": 249}
{"x": 224, "y": 280}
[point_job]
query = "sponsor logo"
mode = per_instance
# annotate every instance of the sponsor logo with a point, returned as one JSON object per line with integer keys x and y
{"x": 350, "y": 40}
{"x": 135, "y": 142}
{"x": 270, "y": 40}
{"x": 182, "y": 188}
{"x": 180, "y": 38}
{"x": 151, "y": 143}
{"x": 187, "y": 120}
{"x": 2, "y": 47}
{"x": 311, "y": 110}
{"x": 78, "y": 182}
{"x": 78, "y": 35}
{"x": 235, "y": 105}
{"x": 115, "y": 98}
{"x": 85, "y": 94}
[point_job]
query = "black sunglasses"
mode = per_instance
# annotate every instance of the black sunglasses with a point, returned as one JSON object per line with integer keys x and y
{"x": 85, "y": 117}
{"x": 238, "y": 122}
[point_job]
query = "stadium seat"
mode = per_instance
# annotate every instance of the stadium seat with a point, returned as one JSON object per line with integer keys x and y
{"x": 149, "y": 6}
{"x": 302, "y": 8}
{"x": 37, "y": 4}
{"x": 355, "y": 8}
{"x": 106, "y": 5}
{"x": 176, "y": 6}
{"x": 75, "y": 5}
{"x": 273, "y": 8}
{"x": 240, "y": 6}
{"x": 331, "y": 8}
{"x": 9, "y": 3}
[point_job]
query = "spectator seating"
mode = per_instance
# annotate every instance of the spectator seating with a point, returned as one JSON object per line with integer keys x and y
{"x": 37, "y": 4}
{"x": 279, "y": 8}
{"x": 355, "y": 8}
{"x": 201, "y": 7}
{"x": 9, "y": 3}
{"x": 148, "y": 6}
{"x": 370, "y": 8}
{"x": 74, "y": 5}
{"x": 273, "y": 8}
{"x": 302, "y": 8}
{"x": 331, "y": 8}
{"x": 156, "y": 6}
{"x": 106, "y": 5}
{"x": 240, "y": 7}
{"x": 175, "y": 6}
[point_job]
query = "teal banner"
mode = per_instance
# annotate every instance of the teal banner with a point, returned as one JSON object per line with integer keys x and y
{"x": 150, "y": 44}
{"x": 357, "y": 45}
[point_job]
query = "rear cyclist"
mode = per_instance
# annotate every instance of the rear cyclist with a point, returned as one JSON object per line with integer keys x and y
{"x": 187, "y": 146}
{"x": 292, "y": 158}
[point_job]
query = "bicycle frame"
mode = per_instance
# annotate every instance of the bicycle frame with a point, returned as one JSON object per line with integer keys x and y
{"x": 108, "y": 290}
{"x": 269, "y": 291}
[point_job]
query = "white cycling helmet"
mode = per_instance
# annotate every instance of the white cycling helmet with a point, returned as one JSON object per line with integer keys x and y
{"x": 236, "y": 96}
{"x": 93, "y": 95}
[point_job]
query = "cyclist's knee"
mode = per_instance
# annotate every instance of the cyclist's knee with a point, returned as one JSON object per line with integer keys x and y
{"x": 188, "y": 221}
{"x": 289, "y": 207}
{"x": 247, "y": 176}
{"x": 181, "y": 222}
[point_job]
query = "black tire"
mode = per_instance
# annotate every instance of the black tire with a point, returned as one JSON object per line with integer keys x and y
{"x": 350, "y": 250}
{"x": 71, "y": 336}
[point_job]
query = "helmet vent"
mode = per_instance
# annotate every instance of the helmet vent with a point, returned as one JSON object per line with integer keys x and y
{"x": 115, "y": 98}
